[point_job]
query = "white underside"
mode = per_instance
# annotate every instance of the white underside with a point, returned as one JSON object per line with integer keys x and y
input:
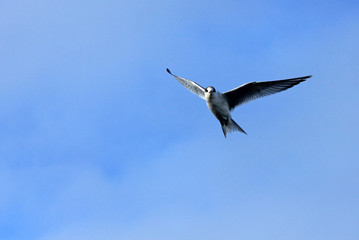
{"x": 218, "y": 104}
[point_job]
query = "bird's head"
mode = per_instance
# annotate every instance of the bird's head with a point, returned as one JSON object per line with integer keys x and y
{"x": 210, "y": 89}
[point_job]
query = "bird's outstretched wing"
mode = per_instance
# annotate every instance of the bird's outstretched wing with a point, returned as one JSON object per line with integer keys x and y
{"x": 251, "y": 91}
{"x": 190, "y": 85}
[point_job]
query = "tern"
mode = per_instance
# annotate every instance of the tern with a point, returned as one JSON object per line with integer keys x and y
{"x": 221, "y": 104}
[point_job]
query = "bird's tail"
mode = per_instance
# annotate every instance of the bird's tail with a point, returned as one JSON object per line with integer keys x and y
{"x": 231, "y": 126}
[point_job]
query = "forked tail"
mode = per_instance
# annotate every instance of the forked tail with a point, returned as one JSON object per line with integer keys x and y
{"x": 231, "y": 126}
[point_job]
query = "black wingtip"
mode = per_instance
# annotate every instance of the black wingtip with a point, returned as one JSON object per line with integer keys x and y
{"x": 168, "y": 71}
{"x": 305, "y": 78}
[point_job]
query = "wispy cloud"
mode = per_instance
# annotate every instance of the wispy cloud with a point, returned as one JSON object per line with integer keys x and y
{"x": 97, "y": 141}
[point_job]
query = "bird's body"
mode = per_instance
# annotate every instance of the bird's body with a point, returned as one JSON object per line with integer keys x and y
{"x": 221, "y": 104}
{"x": 218, "y": 105}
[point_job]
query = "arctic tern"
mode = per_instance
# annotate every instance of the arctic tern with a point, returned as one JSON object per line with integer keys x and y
{"x": 221, "y": 104}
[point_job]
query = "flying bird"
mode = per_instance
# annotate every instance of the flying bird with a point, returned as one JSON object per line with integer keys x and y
{"x": 221, "y": 104}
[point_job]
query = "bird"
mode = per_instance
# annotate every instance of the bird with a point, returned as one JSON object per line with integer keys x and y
{"x": 221, "y": 104}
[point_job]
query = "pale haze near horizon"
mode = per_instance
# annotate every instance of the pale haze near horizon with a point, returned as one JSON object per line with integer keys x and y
{"x": 98, "y": 141}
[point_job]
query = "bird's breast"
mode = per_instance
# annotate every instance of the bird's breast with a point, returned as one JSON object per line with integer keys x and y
{"x": 217, "y": 104}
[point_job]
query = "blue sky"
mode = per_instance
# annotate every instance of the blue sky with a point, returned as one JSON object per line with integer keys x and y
{"x": 99, "y": 142}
